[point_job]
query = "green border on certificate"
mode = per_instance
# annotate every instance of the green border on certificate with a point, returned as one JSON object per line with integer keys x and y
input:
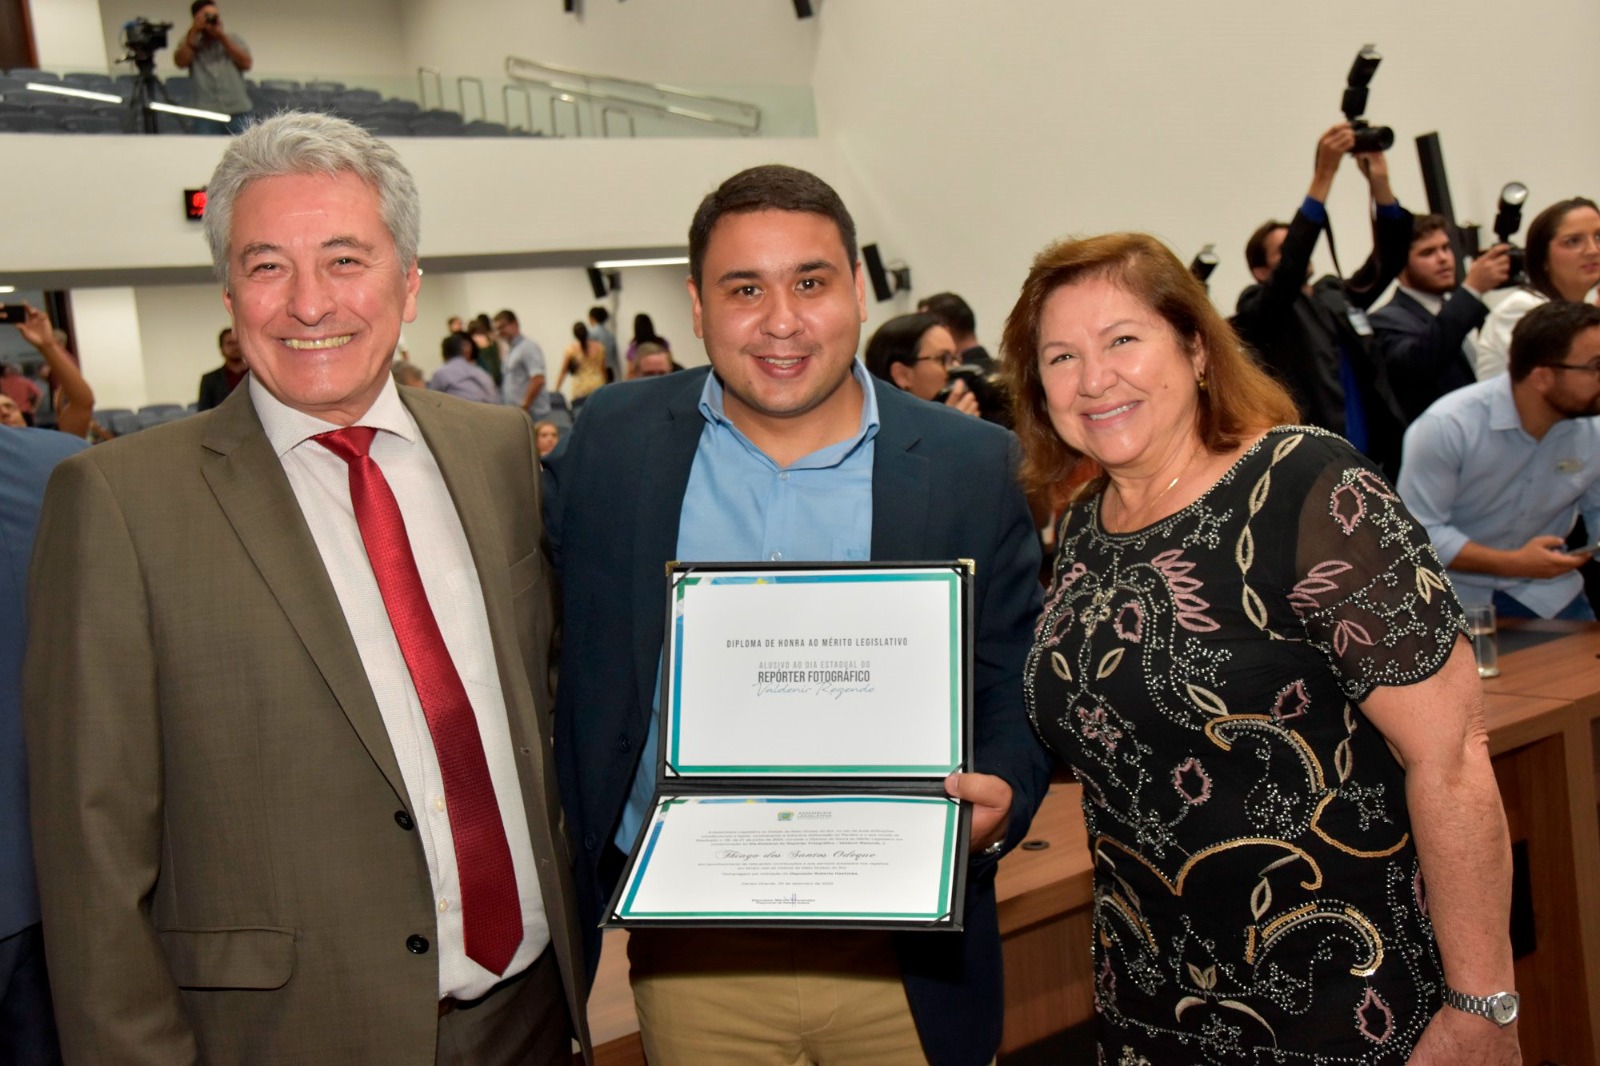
{"x": 941, "y": 907}
{"x": 675, "y": 705}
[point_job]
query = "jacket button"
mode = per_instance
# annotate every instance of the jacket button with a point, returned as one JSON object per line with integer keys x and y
{"x": 417, "y": 945}
{"x": 588, "y": 842}
{"x": 627, "y": 745}
{"x": 403, "y": 820}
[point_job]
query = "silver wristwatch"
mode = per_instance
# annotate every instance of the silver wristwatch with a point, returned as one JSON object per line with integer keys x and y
{"x": 1500, "y": 1008}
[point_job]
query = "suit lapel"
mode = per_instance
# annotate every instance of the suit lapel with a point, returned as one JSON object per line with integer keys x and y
{"x": 901, "y": 492}
{"x": 248, "y": 482}
{"x": 668, "y": 455}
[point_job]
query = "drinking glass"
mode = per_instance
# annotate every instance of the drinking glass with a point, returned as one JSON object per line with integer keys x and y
{"x": 1480, "y": 624}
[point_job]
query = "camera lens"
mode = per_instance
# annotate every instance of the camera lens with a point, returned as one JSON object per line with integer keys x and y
{"x": 1374, "y": 139}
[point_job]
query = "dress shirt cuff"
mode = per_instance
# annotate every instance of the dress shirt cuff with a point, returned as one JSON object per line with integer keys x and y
{"x": 1448, "y": 542}
{"x": 1314, "y": 209}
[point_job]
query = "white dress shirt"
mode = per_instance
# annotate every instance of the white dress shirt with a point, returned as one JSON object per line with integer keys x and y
{"x": 320, "y": 480}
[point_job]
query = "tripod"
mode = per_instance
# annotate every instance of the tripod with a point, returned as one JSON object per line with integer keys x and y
{"x": 147, "y": 88}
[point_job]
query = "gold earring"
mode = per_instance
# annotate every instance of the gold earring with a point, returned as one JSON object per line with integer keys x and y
{"x": 1201, "y": 383}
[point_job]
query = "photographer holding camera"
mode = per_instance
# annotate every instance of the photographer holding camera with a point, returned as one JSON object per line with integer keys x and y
{"x": 1424, "y": 334}
{"x": 1315, "y": 337}
{"x": 915, "y": 353}
{"x": 216, "y": 61}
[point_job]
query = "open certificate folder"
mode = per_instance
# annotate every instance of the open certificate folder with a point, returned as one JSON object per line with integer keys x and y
{"x": 809, "y": 717}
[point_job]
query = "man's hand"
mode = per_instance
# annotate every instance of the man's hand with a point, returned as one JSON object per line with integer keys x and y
{"x": 1544, "y": 557}
{"x": 1490, "y": 270}
{"x": 990, "y": 797}
{"x": 1456, "y": 1038}
{"x": 37, "y": 329}
{"x": 1332, "y": 147}
{"x": 961, "y": 398}
{"x": 1375, "y": 165}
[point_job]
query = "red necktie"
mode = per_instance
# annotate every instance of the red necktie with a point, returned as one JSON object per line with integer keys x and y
{"x": 490, "y": 910}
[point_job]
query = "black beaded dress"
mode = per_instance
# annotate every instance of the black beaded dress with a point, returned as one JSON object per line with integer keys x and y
{"x": 1257, "y": 894}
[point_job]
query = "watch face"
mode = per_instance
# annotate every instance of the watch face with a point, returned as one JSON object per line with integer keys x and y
{"x": 1504, "y": 1008}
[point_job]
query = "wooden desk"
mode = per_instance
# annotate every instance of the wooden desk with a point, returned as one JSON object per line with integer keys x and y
{"x": 1543, "y": 715}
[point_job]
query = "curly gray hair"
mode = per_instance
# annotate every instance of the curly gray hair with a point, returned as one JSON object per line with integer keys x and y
{"x": 299, "y": 142}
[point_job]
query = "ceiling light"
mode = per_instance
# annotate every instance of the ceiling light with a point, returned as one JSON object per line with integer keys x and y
{"x": 67, "y": 90}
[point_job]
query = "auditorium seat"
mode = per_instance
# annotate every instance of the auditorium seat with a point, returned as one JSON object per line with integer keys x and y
{"x": 94, "y": 124}
{"x": 485, "y": 129}
{"x": 95, "y": 83}
{"x": 33, "y": 74}
{"x": 29, "y": 123}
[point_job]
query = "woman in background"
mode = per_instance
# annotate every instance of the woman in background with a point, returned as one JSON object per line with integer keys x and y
{"x": 1563, "y": 263}
{"x": 585, "y": 360}
{"x": 546, "y": 435}
{"x": 1250, "y": 657}
{"x": 914, "y": 353}
{"x": 644, "y": 332}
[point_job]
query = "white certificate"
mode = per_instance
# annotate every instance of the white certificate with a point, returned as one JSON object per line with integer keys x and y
{"x": 851, "y": 858}
{"x": 815, "y": 672}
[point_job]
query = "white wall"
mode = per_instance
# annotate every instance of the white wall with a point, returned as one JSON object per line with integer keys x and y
{"x": 984, "y": 130}
{"x": 700, "y": 44}
{"x": 178, "y": 327}
{"x": 67, "y": 34}
{"x": 109, "y": 346}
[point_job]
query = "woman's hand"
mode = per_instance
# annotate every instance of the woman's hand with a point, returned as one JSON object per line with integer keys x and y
{"x": 1456, "y": 1038}
{"x": 961, "y": 399}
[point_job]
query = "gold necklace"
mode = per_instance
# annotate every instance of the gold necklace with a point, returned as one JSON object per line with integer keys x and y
{"x": 1148, "y": 506}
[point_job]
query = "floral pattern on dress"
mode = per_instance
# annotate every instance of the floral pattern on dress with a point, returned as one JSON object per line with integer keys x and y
{"x": 1257, "y": 893}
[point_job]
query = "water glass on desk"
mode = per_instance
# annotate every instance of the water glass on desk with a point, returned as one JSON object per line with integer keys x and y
{"x": 1480, "y": 624}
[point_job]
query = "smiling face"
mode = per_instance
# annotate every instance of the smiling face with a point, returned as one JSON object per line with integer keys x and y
{"x": 780, "y": 308}
{"x": 318, "y": 291}
{"x": 1575, "y": 253}
{"x": 1119, "y": 383}
{"x": 11, "y": 414}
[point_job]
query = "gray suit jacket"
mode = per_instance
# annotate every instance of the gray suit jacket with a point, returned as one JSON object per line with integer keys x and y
{"x": 227, "y": 862}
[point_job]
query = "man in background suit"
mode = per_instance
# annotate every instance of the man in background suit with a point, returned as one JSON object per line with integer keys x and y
{"x": 216, "y": 385}
{"x": 27, "y": 1025}
{"x": 1424, "y": 333}
{"x": 286, "y": 695}
{"x": 789, "y": 451}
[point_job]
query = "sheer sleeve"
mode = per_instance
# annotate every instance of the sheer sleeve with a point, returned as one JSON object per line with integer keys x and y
{"x": 1370, "y": 590}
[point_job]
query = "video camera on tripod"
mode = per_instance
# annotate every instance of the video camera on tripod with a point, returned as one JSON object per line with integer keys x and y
{"x": 143, "y": 39}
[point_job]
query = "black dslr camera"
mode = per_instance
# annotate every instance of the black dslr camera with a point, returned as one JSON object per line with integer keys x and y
{"x": 143, "y": 38}
{"x": 994, "y": 401}
{"x": 1507, "y": 220}
{"x": 1369, "y": 138}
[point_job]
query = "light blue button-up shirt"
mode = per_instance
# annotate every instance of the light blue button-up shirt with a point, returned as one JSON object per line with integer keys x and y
{"x": 740, "y": 506}
{"x": 1471, "y": 472}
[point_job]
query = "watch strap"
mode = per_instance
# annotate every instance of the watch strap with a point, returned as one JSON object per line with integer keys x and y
{"x": 1482, "y": 1006}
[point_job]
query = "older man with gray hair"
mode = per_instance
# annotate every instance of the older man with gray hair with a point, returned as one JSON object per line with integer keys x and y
{"x": 292, "y": 792}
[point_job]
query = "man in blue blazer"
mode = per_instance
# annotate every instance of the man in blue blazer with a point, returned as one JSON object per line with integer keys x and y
{"x": 788, "y": 451}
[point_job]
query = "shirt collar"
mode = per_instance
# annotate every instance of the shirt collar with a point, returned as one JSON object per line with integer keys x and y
{"x": 1502, "y": 407}
{"x": 1431, "y": 302}
{"x": 288, "y": 428}
{"x": 711, "y": 407}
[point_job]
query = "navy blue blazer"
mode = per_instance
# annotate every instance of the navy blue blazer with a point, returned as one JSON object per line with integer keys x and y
{"x": 1423, "y": 351}
{"x": 26, "y": 458}
{"x": 943, "y": 487}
